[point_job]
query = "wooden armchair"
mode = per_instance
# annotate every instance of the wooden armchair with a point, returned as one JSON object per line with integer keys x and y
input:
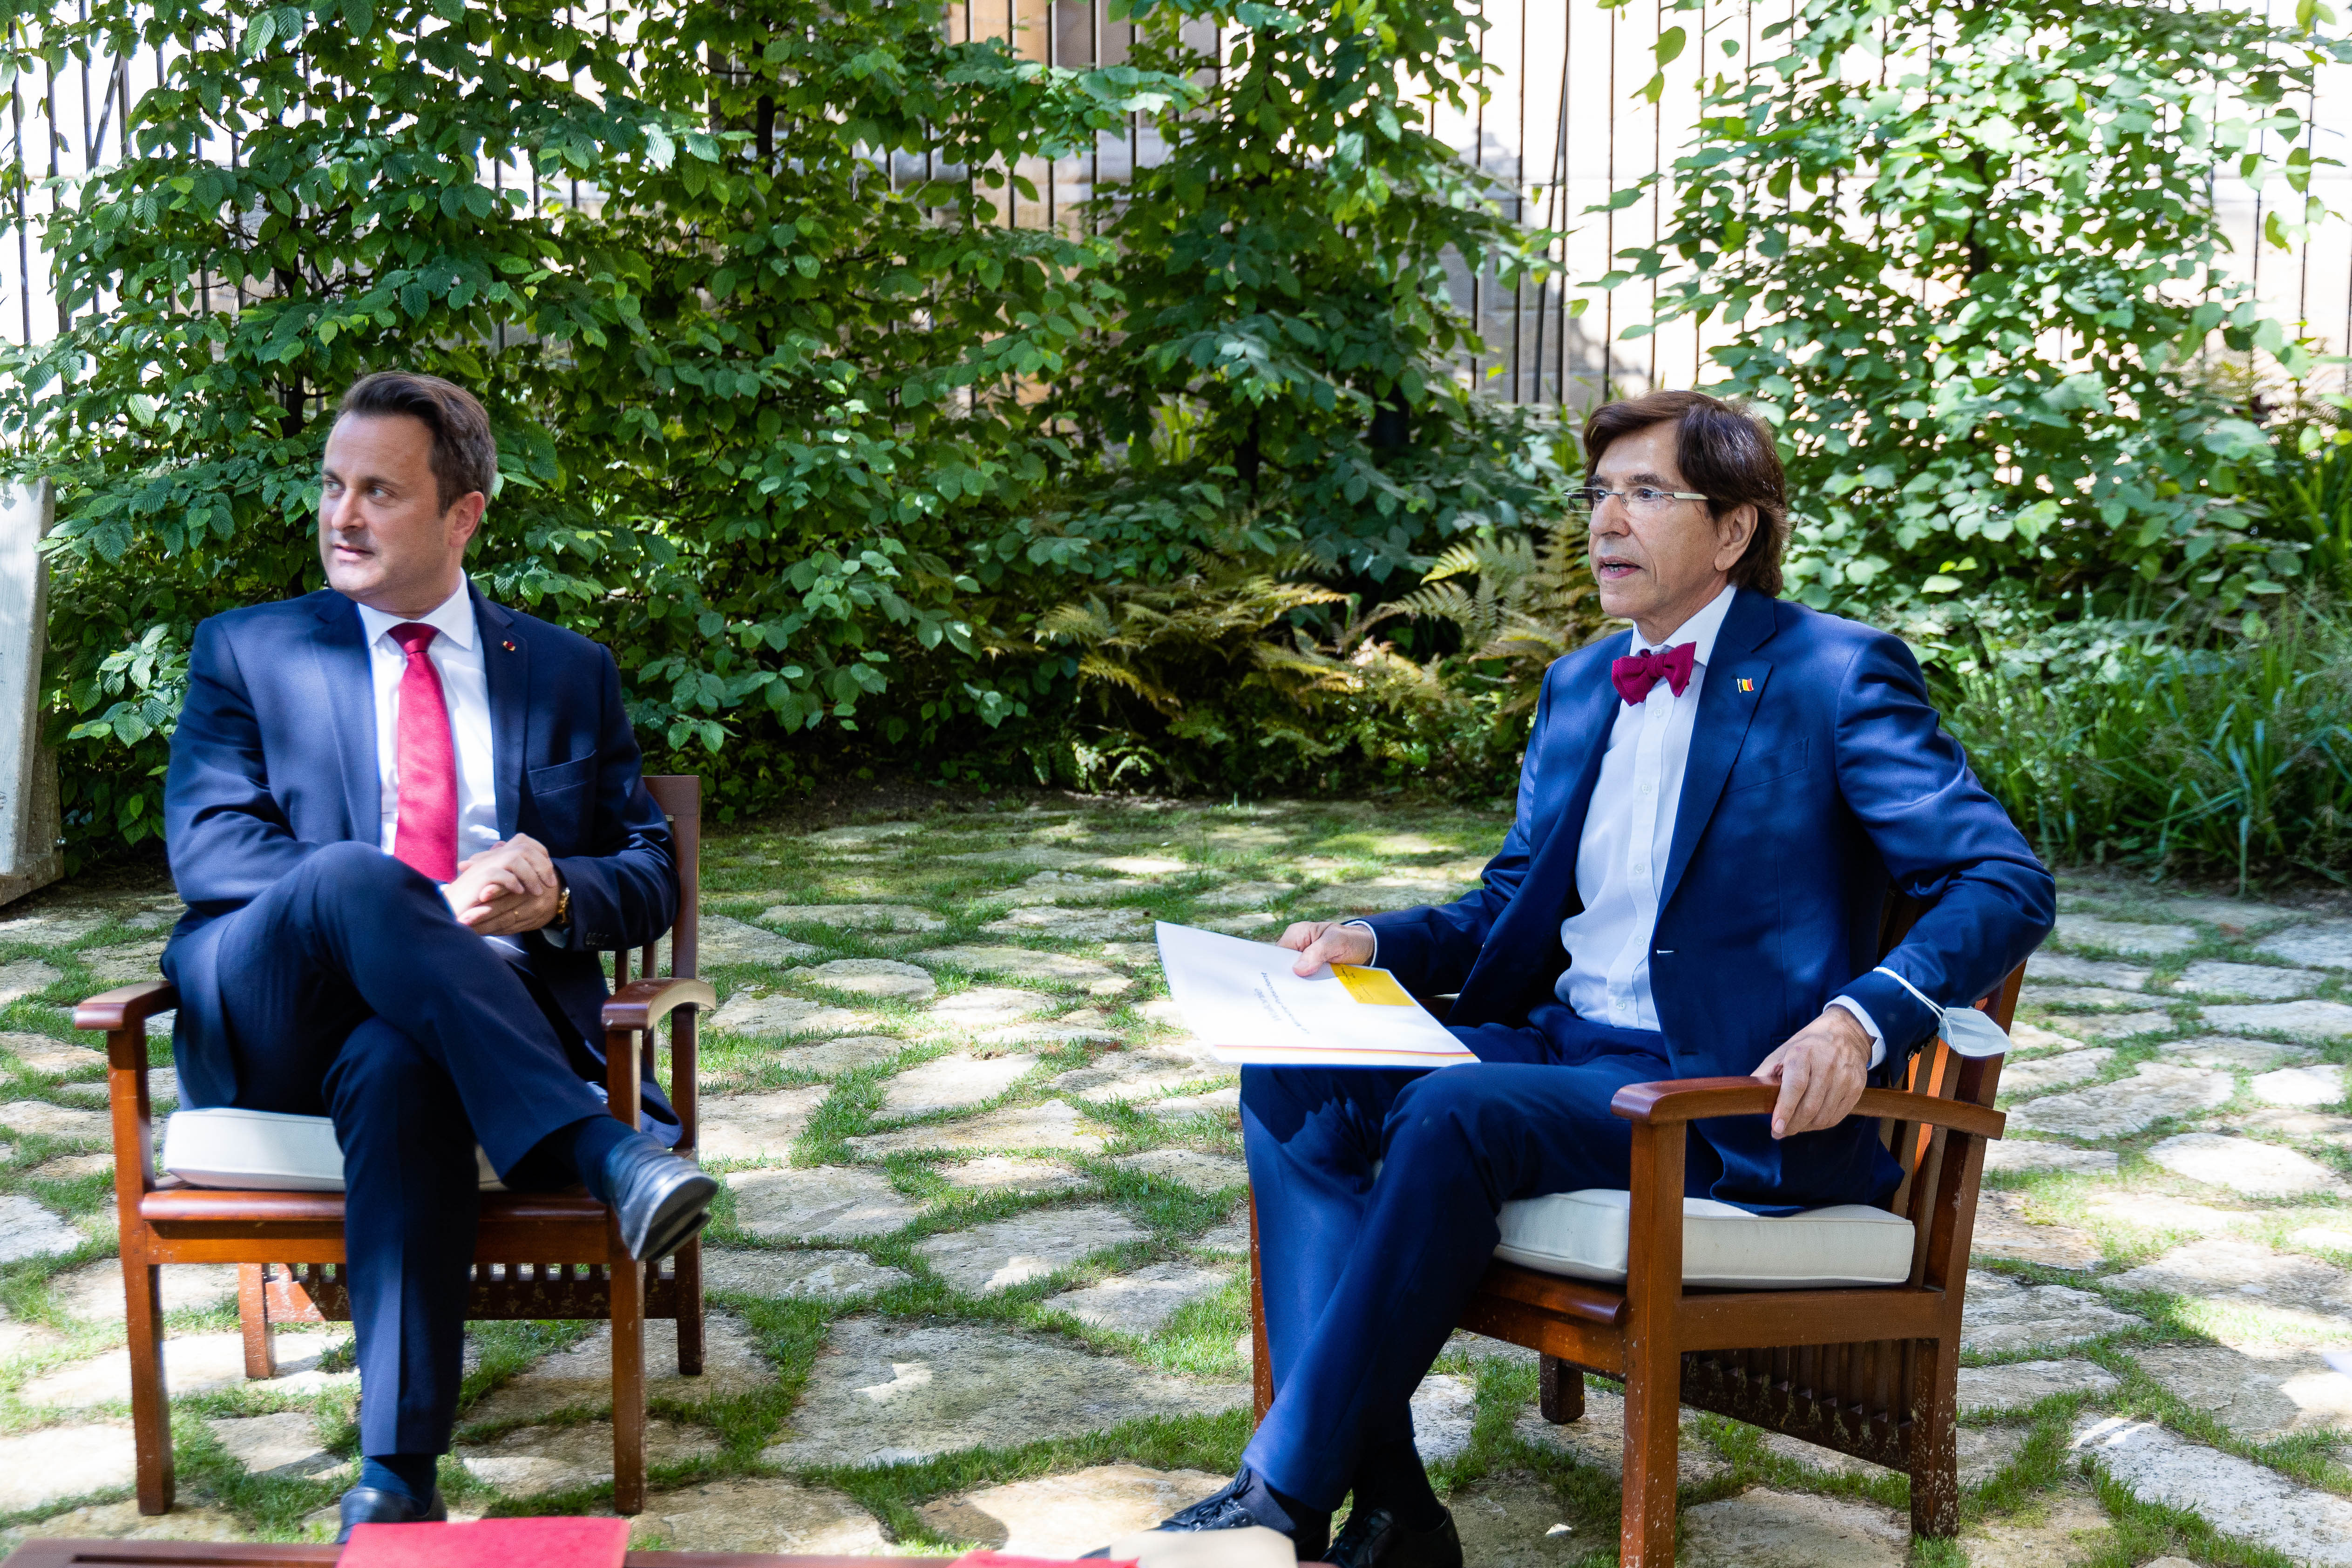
{"x": 537, "y": 1256}
{"x": 1867, "y": 1371}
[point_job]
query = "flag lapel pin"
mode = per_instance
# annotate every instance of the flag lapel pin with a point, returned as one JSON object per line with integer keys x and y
{"x": 1747, "y": 685}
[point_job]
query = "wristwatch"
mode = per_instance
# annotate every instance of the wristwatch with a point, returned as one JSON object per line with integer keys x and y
{"x": 562, "y": 906}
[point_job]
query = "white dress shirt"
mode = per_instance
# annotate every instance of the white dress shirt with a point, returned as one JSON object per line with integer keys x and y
{"x": 1629, "y": 831}
{"x": 457, "y": 655}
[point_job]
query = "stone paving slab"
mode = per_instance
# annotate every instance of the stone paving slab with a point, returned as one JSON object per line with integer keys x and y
{"x": 2232, "y": 1054}
{"x": 886, "y": 1392}
{"x": 2001, "y": 1315}
{"x": 2051, "y": 967}
{"x": 2234, "y": 1496}
{"x": 2325, "y": 944}
{"x": 1766, "y": 1528}
{"x": 2244, "y": 1165}
{"x": 1008, "y": 1252}
{"x": 953, "y": 1083}
{"x": 758, "y": 1514}
{"x": 2139, "y": 939}
{"x": 822, "y": 1274}
{"x": 2300, "y": 1020}
{"x": 725, "y": 941}
{"x": 755, "y": 1126}
{"x": 1140, "y": 1302}
{"x": 1066, "y": 1516}
{"x": 2156, "y": 1090}
{"x": 883, "y": 979}
{"x": 2020, "y": 1386}
{"x": 2260, "y": 1394}
{"x": 2255, "y": 981}
{"x": 854, "y": 917}
{"x": 827, "y": 1203}
{"x": 1031, "y": 1128}
{"x": 753, "y": 1013}
{"x": 41, "y": 1469}
{"x": 25, "y": 977}
{"x": 530, "y": 1461}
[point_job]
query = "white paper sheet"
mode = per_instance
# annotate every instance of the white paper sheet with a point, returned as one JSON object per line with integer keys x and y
{"x": 1242, "y": 1001}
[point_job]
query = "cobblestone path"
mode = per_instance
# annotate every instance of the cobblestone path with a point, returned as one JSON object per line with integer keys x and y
{"x": 976, "y": 1276}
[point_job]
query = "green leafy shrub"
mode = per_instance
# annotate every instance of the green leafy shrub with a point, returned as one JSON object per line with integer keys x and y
{"x": 2143, "y": 741}
{"x": 810, "y": 444}
{"x": 1970, "y": 263}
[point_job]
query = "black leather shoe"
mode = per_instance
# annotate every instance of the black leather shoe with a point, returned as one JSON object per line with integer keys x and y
{"x": 1373, "y": 1538}
{"x": 372, "y": 1505}
{"x": 659, "y": 1199}
{"x": 1229, "y": 1509}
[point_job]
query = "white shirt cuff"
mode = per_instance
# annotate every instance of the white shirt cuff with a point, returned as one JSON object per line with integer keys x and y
{"x": 1363, "y": 926}
{"x": 1878, "y": 1035}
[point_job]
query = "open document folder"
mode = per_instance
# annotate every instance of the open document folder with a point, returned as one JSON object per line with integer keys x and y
{"x": 1240, "y": 999}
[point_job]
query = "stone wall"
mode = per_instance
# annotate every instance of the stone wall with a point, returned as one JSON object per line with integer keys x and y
{"x": 28, "y": 769}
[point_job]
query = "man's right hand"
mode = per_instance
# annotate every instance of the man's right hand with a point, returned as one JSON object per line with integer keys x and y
{"x": 519, "y": 868}
{"x": 1318, "y": 942}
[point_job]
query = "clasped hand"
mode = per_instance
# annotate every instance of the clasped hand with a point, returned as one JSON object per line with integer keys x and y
{"x": 1820, "y": 1068}
{"x": 507, "y": 889}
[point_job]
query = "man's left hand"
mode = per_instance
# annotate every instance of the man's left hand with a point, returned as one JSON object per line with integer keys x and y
{"x": 1821, "y": 1071}
{"x": 520, "y": 888}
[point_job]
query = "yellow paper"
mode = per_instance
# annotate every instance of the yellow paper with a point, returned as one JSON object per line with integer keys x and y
{"x": 1376, "y": 986}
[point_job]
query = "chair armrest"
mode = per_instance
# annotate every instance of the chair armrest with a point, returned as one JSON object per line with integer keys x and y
{"x": 127, "y": 1009}
{"x": 1690, "y": 1099}
{"x": 641, "y": 1004}
{"x": 126, "y": 1005}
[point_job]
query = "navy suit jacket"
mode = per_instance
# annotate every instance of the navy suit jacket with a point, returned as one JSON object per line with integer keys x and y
{"x": 1819, "y": 776}
{"x": 276, "y": 756}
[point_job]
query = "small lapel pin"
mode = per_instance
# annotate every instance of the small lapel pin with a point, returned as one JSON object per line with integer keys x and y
{"x": 509, "y": 648}
{"x": 1745, "y": 684}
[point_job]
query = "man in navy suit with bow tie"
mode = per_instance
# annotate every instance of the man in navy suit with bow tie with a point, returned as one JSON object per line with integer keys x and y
{"x": 407, "y": 820}
{"x": 1711, "y": 812}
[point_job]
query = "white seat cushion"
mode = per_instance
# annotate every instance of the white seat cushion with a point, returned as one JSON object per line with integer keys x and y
{"x": 1582, "y": 1235}
{"x": 266, "y": 1151}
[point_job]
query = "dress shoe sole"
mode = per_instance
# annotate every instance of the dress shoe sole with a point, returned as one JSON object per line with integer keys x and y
{"x": 684, "y": 1211}
{"x": 437, "y": 1512}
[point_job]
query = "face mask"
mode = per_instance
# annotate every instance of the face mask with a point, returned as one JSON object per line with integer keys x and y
{"x": 1966, "y": 1030}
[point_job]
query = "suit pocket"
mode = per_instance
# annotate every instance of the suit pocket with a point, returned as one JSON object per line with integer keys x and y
{"x": 553, "y": 781}
{"x": 1749, "y": 773}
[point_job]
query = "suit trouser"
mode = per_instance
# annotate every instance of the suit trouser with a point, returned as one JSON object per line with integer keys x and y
{"x": 350, "y": 988}
{"x": 1365, "y": 1277}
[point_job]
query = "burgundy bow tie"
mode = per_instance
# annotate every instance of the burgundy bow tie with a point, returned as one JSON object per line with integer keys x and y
{"x": 1634, "y": 677}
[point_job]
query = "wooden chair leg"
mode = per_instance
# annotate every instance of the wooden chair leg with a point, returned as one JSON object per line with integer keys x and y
{"x": 1652, "y": 1456}
{"x": 688, "y": 1274}
{"x": 1560, "y": 1391}
{"x": 253, "y": 1317}
{"x": 1261, "y": 1358}
{"x": 1935, "y": 1445}
{"x": 1653, "y": 1362}
{"x": 151, "y": 1408}
{"x": 628, "y": 1383}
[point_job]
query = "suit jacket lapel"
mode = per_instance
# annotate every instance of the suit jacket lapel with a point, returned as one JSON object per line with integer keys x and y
{"x": 340, "y": 650}
{"x": 1528, "y": 929}
{"x": 506, "y": 663}
{"x": 1724, "y": 714}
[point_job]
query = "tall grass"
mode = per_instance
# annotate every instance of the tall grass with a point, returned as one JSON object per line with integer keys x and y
{"x": 2125, "y": 740}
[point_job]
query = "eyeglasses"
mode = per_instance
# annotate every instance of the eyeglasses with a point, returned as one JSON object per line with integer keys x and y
{"x": 1642, "y": 501}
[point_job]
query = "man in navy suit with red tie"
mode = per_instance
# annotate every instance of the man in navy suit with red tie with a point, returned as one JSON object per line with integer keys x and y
{"x": 407, "y": 820}
{"x": 1713, "y": 807}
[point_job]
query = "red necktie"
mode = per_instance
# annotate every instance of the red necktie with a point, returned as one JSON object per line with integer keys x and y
{"x": 1634, "y": 677}
{"x": 425, "y": 833}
